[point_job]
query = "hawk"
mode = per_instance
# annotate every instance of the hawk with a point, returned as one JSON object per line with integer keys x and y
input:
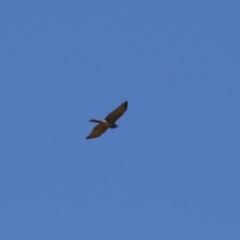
{"x": 109, "y": 121}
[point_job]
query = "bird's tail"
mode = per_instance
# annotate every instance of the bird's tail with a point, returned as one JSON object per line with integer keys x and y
{"x": 96, "y": 121}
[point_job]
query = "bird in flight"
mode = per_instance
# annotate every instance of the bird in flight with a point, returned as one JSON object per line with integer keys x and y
{"x": 109, "y": 121}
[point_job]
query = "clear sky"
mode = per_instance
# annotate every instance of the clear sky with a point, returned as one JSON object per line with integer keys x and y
{"x": 170, "y": 171}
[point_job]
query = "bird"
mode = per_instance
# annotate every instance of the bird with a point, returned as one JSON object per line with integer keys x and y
{"x": 108, "y": 122}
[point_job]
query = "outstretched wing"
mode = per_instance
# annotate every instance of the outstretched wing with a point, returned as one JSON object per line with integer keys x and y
{"x": 98, "y": 130}
{"x": 117, "y": 113}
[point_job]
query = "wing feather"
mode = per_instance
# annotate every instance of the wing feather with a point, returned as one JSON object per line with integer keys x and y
{"x": 117, "y": 113}
{"x": 98, "y": 130}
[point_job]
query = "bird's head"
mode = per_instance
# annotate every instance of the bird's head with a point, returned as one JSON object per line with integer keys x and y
{"x": 113, "y": 125}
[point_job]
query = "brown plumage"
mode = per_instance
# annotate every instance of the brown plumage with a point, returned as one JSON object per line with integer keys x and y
{"x": 109, "y": 121}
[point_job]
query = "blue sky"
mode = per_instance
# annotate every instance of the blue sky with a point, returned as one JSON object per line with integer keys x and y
{"x": 171, "y": 169}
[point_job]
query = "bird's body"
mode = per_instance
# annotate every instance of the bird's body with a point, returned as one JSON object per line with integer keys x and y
{"x": 109, "y": 121}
